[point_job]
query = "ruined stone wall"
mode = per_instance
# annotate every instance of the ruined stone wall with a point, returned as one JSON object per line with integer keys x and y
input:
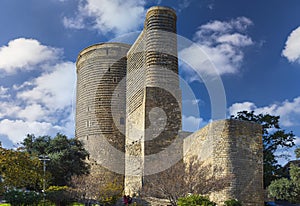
{"x": 235, "y": 147}
{"x": 100, "y": 103}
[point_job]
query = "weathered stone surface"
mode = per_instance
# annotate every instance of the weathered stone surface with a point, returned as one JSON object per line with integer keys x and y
{"x": 153, "y": 96}
{"x": 100, "y": 103}
{"x": 236, "y": 147}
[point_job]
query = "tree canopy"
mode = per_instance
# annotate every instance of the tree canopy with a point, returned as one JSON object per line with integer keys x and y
{"x": 19, "y": 170}
{"x": 274, "y": 138}
{"x": 297, "y": 152}
{"x": 67, "y": 156}
{"x": 287, "y": 188}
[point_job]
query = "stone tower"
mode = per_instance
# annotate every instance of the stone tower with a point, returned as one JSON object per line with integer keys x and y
{"x": 128, "y": 116}
{"x": 100, "y": 111}
{"x": 153, "y": 96}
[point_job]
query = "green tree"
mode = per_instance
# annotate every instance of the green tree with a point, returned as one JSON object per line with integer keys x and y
{"x": 22, "y": 198}
{"x": 297, "y": 152}
{"x": 102, "y": 186}
{"x": 19, "y": 170}
{"x": 287, "y": 189}
{"x": 274, "y": 138}
{"x": 67, "y": 156}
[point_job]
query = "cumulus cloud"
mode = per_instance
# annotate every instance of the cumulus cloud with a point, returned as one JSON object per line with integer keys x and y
{"x": 191, "y": 123}
{"x": 238, "y": 107}
{"x": 33, "y": 112}
{"x": 4, "y": 92}
{"x": 74, "y": 23}
{"x": 292, "y": 47}
{"x": 289, "y": 111}
{"x": 116, "y": 16}
{"x": 183, "y": 4}
{"x": 24, "y": 54}
{"x": 8, "y": 128}
{"x": 236, "y": 39}
{"x": 8, "y": 109}
{"x": 54, "y": 90}
{"x": 42, "y": 103}
{"x": 218, "y": 47}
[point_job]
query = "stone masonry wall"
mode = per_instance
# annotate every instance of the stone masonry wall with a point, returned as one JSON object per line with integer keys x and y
{"x": 236, "y": 147}
{"x": 135, "y": 88}
{"x": 100, "y": 106}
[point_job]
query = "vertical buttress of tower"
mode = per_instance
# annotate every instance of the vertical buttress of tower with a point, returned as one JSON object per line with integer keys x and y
{"x": 153, "y": 98}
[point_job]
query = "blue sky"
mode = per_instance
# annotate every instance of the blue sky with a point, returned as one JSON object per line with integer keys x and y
{"x": 254, "y": 47}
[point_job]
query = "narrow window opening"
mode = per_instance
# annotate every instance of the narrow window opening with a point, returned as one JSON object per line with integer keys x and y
{"x": 115, "y": 79}
{"x": 122, "y": 121}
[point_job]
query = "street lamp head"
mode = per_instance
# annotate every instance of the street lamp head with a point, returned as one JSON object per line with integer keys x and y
{"x": 44, "y": 158}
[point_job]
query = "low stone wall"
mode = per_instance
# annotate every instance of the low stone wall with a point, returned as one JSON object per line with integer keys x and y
{"x": 235, "y": 147}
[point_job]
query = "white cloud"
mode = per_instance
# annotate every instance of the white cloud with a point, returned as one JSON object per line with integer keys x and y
{"x": 16, "y": 130}
{"x": 289, "y": 111}
{"x": 292, "y": 46}
{"x": 8, "y": 109}
{"x": 297, "y": 140}
{"x": 235, "y": 39}
{"x": 4, "y": 92}
{"x": 53, "y": 90}
{"x": 159, "y": 2}
{"x": 216, "y": 27}
{"x": 49, "y": 106}
{"x": 238, "y": 107}
{"x": 219, "y": 47}
{"x": 74, "y": 23}
{"x": 183, "y": 4}
{"x": 24, "y": 54}
{"x": 116, "y": 16}
{"x": 33, "y": 112}
{"x": 42, "y": 101}
{"x": 211, "y": 6}
{"x": 191, "y": 123}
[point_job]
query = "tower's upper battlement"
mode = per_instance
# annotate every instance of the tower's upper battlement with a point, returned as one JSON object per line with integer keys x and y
{"x": 161, "y": 18}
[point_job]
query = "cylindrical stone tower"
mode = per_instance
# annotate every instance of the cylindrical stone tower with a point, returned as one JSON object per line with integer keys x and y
{"x": 161, "y": 47}
{"x": 162, "y": 79}
{"x": 100, "y": 110}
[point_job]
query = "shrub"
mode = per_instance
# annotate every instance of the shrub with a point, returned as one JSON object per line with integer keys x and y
{"x": 110, "y": 193}
{"x": 59, "y": 195}
{"x": 195, "y": 200}
{"x": 232, "y": 202}
{"x": 24, "y": 198}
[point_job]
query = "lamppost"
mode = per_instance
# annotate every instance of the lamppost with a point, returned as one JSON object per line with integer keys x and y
{"x": 44, "y": 158}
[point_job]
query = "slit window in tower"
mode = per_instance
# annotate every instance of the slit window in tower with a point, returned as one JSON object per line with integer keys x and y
{"x": 122, "y": 121}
